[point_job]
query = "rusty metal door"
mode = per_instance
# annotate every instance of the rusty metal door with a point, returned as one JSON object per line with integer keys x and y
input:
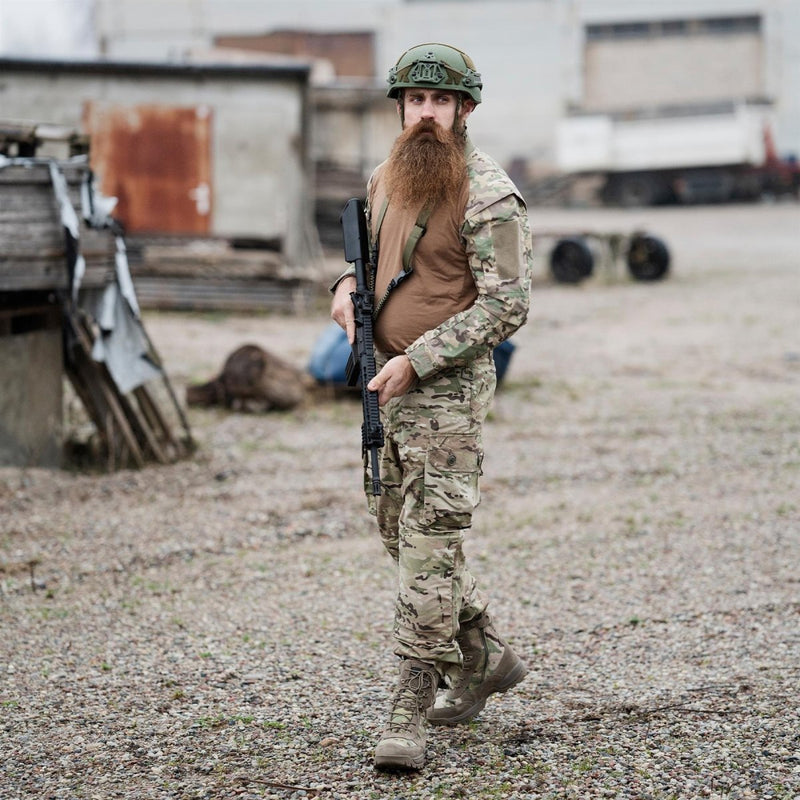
{"x": 156, "y": 160}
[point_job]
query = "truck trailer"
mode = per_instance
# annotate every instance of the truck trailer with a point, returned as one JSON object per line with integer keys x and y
{"x": 694, "y": 154}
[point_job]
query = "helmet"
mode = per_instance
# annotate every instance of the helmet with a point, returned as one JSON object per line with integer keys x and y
{"x": 435, "y": 65}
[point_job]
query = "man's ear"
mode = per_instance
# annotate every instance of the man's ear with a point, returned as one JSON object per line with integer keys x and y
{"x": 467, "y": 107}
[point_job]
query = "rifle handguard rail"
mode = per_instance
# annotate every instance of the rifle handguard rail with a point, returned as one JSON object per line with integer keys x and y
{"x": 361, "y": 364}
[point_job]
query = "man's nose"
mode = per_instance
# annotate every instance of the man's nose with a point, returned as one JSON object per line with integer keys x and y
{"x": 427, "y": 109}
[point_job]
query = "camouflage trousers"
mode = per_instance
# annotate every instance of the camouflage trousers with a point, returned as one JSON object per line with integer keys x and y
{"x": 430, "y": 468}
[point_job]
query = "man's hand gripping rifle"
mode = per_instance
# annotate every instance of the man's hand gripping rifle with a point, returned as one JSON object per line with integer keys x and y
{"x": 361, "y": 364}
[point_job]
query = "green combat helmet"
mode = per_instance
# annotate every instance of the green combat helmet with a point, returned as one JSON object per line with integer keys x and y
{"x": 435, "y": 66}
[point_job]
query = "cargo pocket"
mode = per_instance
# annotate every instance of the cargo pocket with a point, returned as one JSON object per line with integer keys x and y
{"x": 452, "y": 468}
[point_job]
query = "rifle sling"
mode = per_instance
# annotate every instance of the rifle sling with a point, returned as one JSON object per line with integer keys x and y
{"x": 417, "y": 232}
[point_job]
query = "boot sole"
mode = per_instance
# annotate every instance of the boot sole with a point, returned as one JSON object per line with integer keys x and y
{"x": 509, "y": 681}
{"x": 389, "y": 763}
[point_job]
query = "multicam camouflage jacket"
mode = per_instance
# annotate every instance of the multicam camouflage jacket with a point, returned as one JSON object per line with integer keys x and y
{"x": 497, "y": 235}
{"x": 499, "y": 250}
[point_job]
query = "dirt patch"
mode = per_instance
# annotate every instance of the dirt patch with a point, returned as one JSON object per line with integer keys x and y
{"x": 225, "y": 621}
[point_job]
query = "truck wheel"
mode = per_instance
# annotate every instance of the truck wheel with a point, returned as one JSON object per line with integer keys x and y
{"x": 571, "y": 260}
{"x": 648, "y": 258}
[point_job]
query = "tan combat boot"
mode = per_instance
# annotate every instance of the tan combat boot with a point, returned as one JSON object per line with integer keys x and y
{"x": 402, "y": 745}
{"x": 490, "y": 665}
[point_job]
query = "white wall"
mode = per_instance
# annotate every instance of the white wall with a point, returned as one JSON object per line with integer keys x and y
{"x": 530, "y": 52}
{"x": 781, "y": 51}
{"x": 521, "y": 68}
{"x": 56, "y": 28}
{"x": 783, "y": 40}
{"x": 170, "y": 28}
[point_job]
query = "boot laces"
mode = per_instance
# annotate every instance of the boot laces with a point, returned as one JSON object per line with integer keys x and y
{"x": 410, "y": 700}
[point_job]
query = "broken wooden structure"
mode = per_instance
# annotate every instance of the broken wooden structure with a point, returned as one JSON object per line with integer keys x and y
{"x": 67, "y": 306}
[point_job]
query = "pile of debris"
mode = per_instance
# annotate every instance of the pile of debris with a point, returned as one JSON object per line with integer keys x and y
{"x": 217, "y": 274}
{"x": 68, "y": 306}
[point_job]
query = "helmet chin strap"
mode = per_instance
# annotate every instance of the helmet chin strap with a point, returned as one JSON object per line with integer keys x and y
{"x": 457, "y": 118}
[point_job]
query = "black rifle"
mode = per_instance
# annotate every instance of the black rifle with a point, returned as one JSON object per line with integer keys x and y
{"x": 361, "y": 363}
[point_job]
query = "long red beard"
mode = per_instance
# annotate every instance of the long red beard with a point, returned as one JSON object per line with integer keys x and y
{"x": 426, "y": 165}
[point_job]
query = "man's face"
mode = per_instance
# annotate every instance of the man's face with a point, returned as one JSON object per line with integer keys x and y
{"x": 428, "y": 161}
{"x": 432, "y": 104}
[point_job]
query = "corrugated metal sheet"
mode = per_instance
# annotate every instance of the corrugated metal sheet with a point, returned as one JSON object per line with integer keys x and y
{"x": 157, "y": 161}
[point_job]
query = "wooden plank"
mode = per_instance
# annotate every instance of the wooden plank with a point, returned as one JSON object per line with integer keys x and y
{"x": 39, "y": 172}
{"x": 43, "y": 275}
{"x": 21, "y": 236}
{"x": 186, "y": 445}
{"x": 32, "y": 244}
{"x": 174, "y": 293}
{"x": 141, "y": 426}
{"x": 156, "y": 422}
{"x": 98, "y": 392}
{"x": 210, "y": 259}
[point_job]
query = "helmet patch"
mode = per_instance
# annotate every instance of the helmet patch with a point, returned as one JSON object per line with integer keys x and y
{"x": 426, "y": 72}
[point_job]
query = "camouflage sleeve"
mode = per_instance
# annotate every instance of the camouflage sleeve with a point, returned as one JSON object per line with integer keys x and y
{"x": 348, "y": 273}
{"x": 498, "y": 245}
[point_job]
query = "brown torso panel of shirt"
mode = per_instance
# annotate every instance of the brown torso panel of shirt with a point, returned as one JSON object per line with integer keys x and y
{"x": 441, "y": 283}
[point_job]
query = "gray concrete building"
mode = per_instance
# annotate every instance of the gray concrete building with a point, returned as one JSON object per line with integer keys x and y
{"x": 208, "y": 150}
{"x": 540, "y": 59}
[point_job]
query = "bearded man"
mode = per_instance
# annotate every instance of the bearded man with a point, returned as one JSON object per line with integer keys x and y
{"x": 452, "y": 281}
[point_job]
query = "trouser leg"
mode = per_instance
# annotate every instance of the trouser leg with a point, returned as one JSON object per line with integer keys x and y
{"x": 423, "y": 519}
{"x": 390, "y": 502}
{"x": 431, "y": 599}
{"x": 439, "y": 549}
{"x": 430, "y": 468}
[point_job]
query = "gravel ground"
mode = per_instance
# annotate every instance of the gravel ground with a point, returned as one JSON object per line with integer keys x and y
{"x": 221, "y": 627}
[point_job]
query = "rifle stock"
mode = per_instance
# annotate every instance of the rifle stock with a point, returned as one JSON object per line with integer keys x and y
{"x": 361, "y": 363}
